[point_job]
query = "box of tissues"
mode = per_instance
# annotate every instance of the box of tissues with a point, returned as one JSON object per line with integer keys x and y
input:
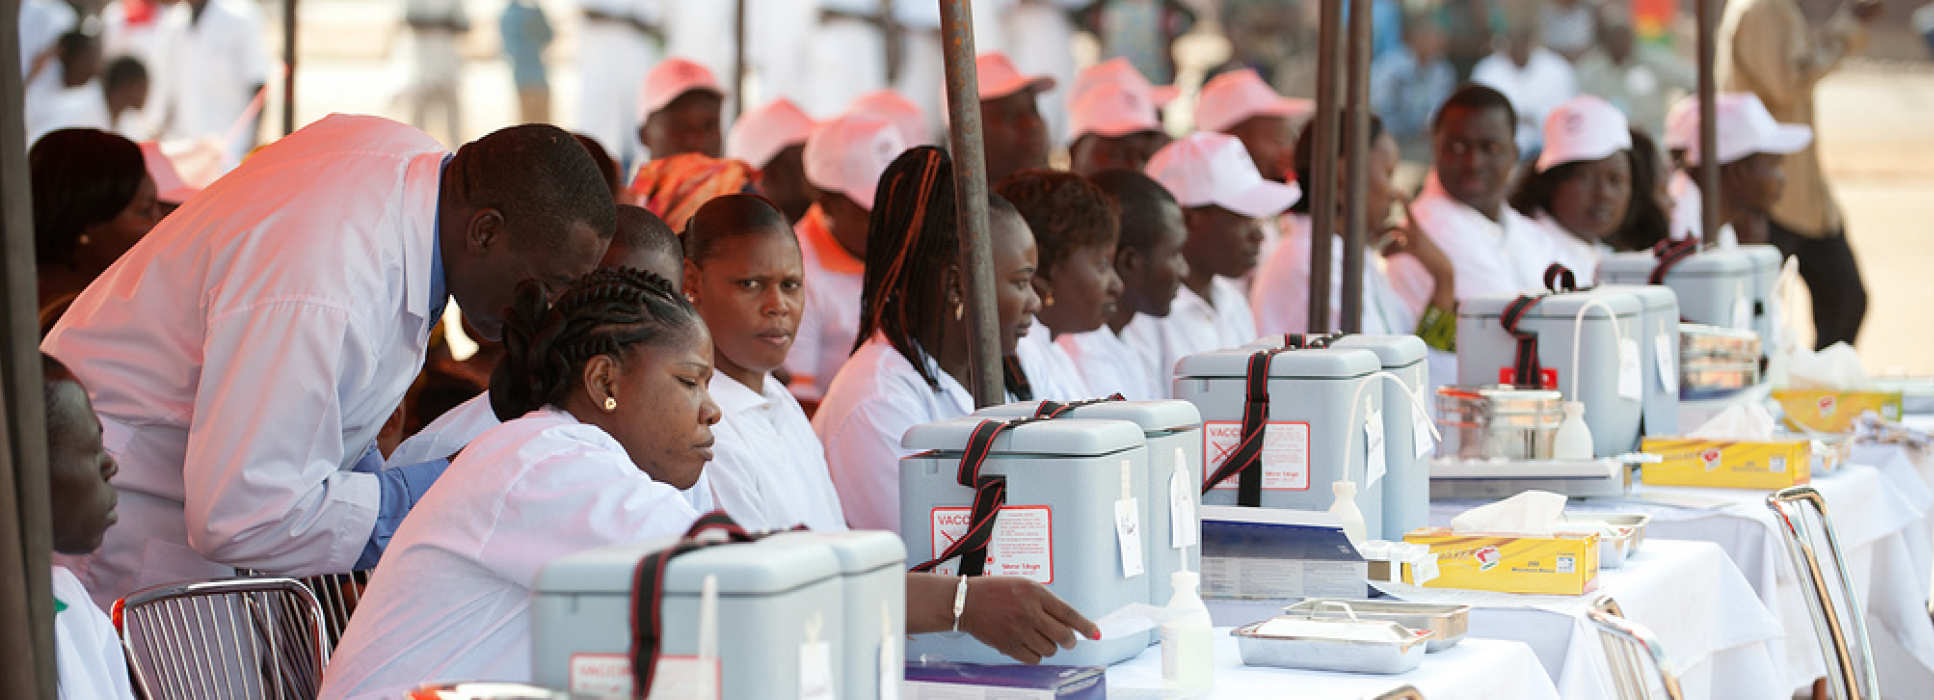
{"x": 1512, "y": 546}
{"x": 1749, "y": 464}
{"x": 1834, "y": 410}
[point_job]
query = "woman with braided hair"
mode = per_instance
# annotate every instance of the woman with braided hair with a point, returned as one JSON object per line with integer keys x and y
{"x": 607, "y": 421}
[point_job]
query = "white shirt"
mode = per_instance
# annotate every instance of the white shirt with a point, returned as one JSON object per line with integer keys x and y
{"x": 871, "y": 404}
{"x": 1111, "y": 366}
{"x": 447, "y": 434}
{"x": 1490, "y": 257}
{"x": 1280, "y": 295}
{"x": 41, "y": 24}
{"x": 830, "y": 322}
{"x": 1539, "y": 86}
{"x": 1051, "y": 371}
{"x": 451, "y": 599}
{"x": 246, "y": 351}
{"x": 1566, "y": 249}
{"x": 87, "y": 649}
{"x": 768, "y": 470}
{"x": 1194, "y": 325}
{"x": 84, "y": 106}
{"x": 205, "y": 69}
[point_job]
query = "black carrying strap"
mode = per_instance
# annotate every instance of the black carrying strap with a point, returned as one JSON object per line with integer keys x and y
{"x": 990, "y": 492}
{"x": 1306, "y": 341}
{"x": 1056, "y": 409}
{"x": 1525, "y": 370}
{"x": 1559, "y": 278}
{"x": 1245, "y": 461}
{"x": 1670, "y": 253}
{"x": 648, "y": 592}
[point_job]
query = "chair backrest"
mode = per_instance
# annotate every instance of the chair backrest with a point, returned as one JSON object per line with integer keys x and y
{"x": 244, "y": 638}
{"x": 1636, "y": 660}
{"x": 337, "y": 593}
{"x": 1801, "y": 514}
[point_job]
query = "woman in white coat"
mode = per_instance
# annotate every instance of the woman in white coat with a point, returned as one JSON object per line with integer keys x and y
{"x": 615, "y": 420}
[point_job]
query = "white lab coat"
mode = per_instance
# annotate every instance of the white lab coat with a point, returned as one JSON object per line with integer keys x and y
{"x": 1051, "y": 371}
{"x": 1194, "y": 325}
{"x": 447, "y": 434}
{"x": 1490, "y": 258}
{"x": 1109, "y": 365}
{"x": 1280, "y": 293}
{"x": 246, "y": 351}
{"x": 451, "y": 599}
{"x": 874, "y": 400}
{"x": 204, "y": 69}
{"x": 1565, "y": 249}
{"x": 613, "y": 59}
{"x": 768, "y": 470}
{"x": 829, "y": 323}
{"x": 1543, "y": 83}
{"x": 87, "y": 649}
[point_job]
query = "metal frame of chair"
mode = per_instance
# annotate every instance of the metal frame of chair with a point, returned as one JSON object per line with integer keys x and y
{"x": 1846, "y": 680}
{"x": 1629, "y": 647}
{"x": 337, "y": 593}
{"x": 228, "y": 638}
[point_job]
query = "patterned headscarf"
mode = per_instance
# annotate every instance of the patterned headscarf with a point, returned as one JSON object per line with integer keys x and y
{"x": 674, "y": 188}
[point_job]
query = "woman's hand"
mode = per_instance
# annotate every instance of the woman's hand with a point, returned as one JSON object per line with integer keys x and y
{"x": 1015, "y": 616}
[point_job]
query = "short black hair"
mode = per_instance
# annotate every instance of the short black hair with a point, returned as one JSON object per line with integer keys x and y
{"x": 540, "y": 179}
{"x": 80, "y": 177}
{"x": 606, "y": 165}
{"x": 1305, "y": 166}
{"x": 1646, "y": 222}
{"x": 601, "y": 313}
{"x": 76, "y": 41}
{"x": 1140, "y": 200}
{"x": 641, "y": 230}
{"x": 729, "y": 216}
{"x": 123, "y": 70}
{"x": 1476, "y": 98}
{"x": 1065, "y": 211}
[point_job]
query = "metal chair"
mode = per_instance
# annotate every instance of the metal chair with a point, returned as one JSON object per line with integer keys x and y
{"x": 337, "y": 593}
{"x": 1835, "y": 607}
{"x": 1636, "y": 659}
{"x": 246, "y": 638}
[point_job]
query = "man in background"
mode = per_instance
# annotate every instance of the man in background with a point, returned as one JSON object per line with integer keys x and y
{"x": 210, "y": 65}
{"x": 1640, "y": 79}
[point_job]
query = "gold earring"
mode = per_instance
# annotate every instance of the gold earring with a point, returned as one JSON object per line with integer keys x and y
{"x": 610, "y": 404}
{"x": 1048, "y": 300}
{"x": 83, "y": 240}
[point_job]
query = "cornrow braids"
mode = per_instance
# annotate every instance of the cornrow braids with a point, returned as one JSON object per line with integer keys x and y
{"x": 911, "y": 239}
{"x": 602, "y": 313}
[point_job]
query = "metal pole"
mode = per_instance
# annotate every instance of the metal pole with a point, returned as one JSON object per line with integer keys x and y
{"x": 288, "y": 63}
{"x": 1708, "y": 173}
{"x": 970, "y": 194}
{"x": 1322, "y": 191}
{"x": 738, "y": 59}
{"x": 1356, "y": 142}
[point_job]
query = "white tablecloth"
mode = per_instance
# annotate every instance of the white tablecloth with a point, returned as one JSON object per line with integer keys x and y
{"x": 1475, "y": 669}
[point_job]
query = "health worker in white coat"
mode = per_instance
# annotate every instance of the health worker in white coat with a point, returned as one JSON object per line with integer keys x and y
{"x": 245, "y": 353}
{"x": 1580, "y": 191}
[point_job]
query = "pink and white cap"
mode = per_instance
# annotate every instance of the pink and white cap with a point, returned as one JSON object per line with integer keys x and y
{"x": 1584, "y": 128}
{"x": 1207, "y": 168}
{"x": 1111, "y": 111}
{"x": 897, "y": 110}
{"x": 847, "y": 155}
{"x": 1231, "y": 97}
{"x": 1119, "y": 71}
{"x": 1744, "y": 128}
{"x": 168, "y": 184}
{"x": 999, "y": 78}
{"x": 670, "y": 79}
{"x": 759, "y": 135}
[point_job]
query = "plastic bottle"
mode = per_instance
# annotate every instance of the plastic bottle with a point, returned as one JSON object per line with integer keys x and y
{"x": 1574, "y": 439}
{"x": 1346, "y": 513}
{"x": 1188, "y": 639}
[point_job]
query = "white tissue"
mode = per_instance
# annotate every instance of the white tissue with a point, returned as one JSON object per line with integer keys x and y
{"x": 1535, "y": 513}
{"x": 1746, "y": 420}
{"x": 1836, "y": 367}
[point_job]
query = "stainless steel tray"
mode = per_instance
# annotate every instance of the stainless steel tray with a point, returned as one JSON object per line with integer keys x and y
{"x": 1323, "y": 654}
{"x": 1446, "y": 623}
{"x": 1615, "y": 548}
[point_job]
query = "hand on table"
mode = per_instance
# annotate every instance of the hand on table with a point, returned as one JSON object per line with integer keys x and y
{"x": 1021, "y": 619}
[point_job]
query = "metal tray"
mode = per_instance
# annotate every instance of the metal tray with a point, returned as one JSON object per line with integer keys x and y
{"x": 1322, "y": 654}
{"x": 1614, "y": 549}
{"x": 1446, "y": 623}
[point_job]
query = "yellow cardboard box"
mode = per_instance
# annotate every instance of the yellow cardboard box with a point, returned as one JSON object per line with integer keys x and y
{"x": 1828, "y": 411}
{"x": 1764, "y": 465}
{"x": 1557, "y": 565}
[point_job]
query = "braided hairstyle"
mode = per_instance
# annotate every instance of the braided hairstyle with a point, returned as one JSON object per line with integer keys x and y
{"x": 602, "y": 313}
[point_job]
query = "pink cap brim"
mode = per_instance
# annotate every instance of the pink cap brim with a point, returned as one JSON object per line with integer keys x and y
{"x": 1789, "y": 138}
{"x": 1037, "y": 83}
{"x": 1264, "y": 199}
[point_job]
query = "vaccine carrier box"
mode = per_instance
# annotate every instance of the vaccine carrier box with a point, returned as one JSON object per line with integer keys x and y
{"x": 873, "y": 575}
{"x": 1658, "y": 355}
{"x": 1173, "y": 431}
{"x": 1406, "y": 430}
{"x": 1312, "y": 436}
{"x": 780, "y": 613}
{"x": 1715, "y": 287}
{"x": 1767, "y": 261}
{"x": 1609, "y": 374}
{"x": 1070, "y": 485}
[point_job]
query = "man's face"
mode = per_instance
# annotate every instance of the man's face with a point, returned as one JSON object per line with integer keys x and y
{"x": 1222, "y": 242}
{"x": 1756, "y": 181}
{"x": 78, "y": 473}
{"x": 1475, "y": 155}
{"x": 1092, "y": 154}
{"x": 1016, "y": 137}
{"x": 1271, "y": 143}
{"x": 487, "y": 286}
{"x": 1151, "y": 281}
{"x": 690, "y": 124}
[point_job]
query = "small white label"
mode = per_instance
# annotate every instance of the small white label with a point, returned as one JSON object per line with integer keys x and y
{"x": 1631, "y": 379}
{"x": 1777, "y": 464}
{"x": 815, "y": 671}
{"x": 1742, "y": 310}
{"x": 1374, "y": 464}
{"x": 1420, "y": 433}
{"x": 1285, "y": 453}
{"x": 1567, "y": 564}
{"x": 1128, "y": 536}
{"x": 1667, "y": 361}
{"x": 682, "y": 678}
{"x": 1022, "y": 544}
{"x": 1183, "y": 530}
{"x": 1423, "y": 569}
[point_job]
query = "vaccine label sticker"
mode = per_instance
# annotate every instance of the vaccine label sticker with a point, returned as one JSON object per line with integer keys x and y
{"x": 1631, "y": 378}
{"x": 1285, "y": 453}
{"x": 1666, "y": 359}
{"x": 603, "y": 675}
{"x": 1183, "y": 530}
{"x": 1023, "y": 542}
{"x": 1374, "y": 464}
{"x": 1128, "y": 536}
{"x": 679, "y": 678}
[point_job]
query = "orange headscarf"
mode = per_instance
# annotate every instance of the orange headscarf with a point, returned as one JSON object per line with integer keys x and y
{"x": 674, "y": 188}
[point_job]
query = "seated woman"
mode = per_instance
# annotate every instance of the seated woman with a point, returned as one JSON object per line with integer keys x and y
{"x": 912, "y": 364}
{"x": 1587, "y": 188}
{"x": 607, "y": 418}
{"x": 1076, "y": 226}
{"x": 93, "y": 200}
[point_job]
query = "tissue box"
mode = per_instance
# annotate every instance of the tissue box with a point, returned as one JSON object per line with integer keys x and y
{"x": 1831, "y": 411}
{"x": 1556, "y": 565}
{"x": 1747, "y": 464}
{"x": 952, "y": 681}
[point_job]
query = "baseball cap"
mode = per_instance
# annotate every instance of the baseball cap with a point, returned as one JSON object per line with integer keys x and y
{"x": 1583, "y": 128}
{"x": 847, "y": 155}
{"x": 1744, "y": 128}
{"x": 671, "y": 79}
{"x": 1112, "y": 110}
{"x": 168, "y": 185}
{"x": 1119, "y": 71}
{"x": 761, "y": 134}
{"x": 897, "y": 110}
{"x": 1206, "y": 168}
{"x": 999, "y": 78}
{"x": 1229, "y": 98}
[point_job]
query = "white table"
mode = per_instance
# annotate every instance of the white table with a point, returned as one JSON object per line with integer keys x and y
{"x": 1475, "y": 669}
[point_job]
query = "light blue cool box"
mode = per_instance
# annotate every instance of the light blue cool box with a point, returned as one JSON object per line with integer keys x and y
{"x": 1406, "y": 488}
{"x": 1484, "y": 348}
{"x": 1659, "y": 325}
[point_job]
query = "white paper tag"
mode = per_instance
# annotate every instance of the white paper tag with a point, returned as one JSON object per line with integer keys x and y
{"x": 815, "y": 671}
{"x": 1667, "y": 362}
{"x": 1374, "y": 464}
{"x": 1022, "y": 545}
{"x": 1743, "y": 311}
{"x": 682, "y": 678}
{"x": 1128, "y": 536}
{"x": 1420, "y": 433}
{"x": 1631, "y": 378}
{"x": 1285, "y": 453}
{"x": 1183, "y": 530}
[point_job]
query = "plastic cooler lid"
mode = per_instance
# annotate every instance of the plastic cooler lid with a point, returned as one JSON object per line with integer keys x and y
{"x": 1072, "y": 437}
{"x": 1556, "y": 306}
{"x": 1328, "y": 363}
{"x": 1391, "y": 350}
{"x": 859, "y": 551}
{"x": 760, "y": 568}
{"x": 1167, "y": 415}
{"x": 1706, "y": 263}
{"x": 1655, "y": 297}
